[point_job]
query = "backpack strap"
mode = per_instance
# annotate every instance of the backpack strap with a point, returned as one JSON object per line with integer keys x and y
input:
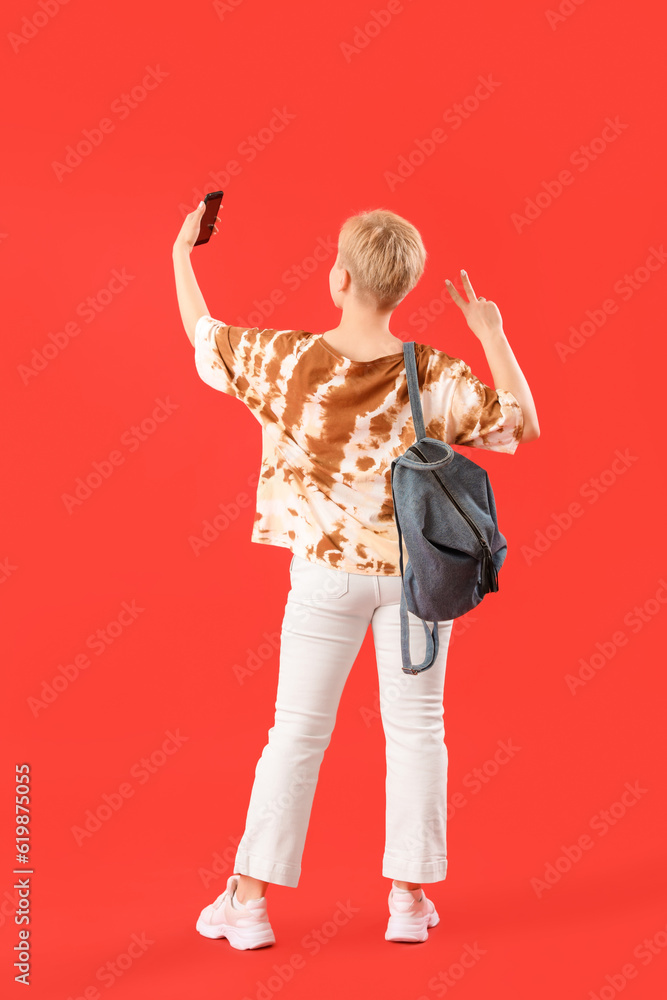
{"x": 413, "y": 389}
{"x": 432, "y": 641}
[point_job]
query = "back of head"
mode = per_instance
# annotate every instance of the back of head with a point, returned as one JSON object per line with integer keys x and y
{"x": 384, "y": 254}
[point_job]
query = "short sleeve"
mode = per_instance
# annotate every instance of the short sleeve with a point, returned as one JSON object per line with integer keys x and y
{"x": 224, "y": 356}
{"x": 481, "y": 417}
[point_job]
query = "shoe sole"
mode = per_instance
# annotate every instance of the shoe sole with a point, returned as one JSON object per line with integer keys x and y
{"x": 404, "y": 928}
{"x": 241, "y": 938}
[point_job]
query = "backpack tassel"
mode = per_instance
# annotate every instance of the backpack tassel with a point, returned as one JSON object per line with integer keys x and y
{"x": 489, "y": 579}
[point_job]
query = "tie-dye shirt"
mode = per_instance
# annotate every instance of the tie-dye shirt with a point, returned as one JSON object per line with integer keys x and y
{"x": 331, "y": 427}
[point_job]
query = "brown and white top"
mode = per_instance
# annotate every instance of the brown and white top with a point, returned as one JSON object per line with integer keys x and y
{"x": 331, "y": 427}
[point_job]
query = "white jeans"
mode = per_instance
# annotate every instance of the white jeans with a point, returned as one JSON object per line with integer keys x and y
{"x": 326, "y": 618}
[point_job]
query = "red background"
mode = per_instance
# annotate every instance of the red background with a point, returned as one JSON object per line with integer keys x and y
{"x": 67, "y": 574}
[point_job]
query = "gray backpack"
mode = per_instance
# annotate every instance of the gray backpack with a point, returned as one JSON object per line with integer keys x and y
{"x": 445, "y": 509}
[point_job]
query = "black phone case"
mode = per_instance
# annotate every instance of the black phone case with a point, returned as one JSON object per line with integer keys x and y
{"x": 213, "y": 200}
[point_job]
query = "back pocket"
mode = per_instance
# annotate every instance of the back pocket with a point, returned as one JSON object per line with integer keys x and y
{"x": 312, "y": 582}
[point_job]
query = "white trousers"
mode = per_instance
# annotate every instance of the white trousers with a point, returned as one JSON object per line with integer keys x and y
{"x": 326, "y": 618}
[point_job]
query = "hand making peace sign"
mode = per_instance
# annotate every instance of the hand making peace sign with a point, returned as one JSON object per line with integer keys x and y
{"x": 482, "y": 316}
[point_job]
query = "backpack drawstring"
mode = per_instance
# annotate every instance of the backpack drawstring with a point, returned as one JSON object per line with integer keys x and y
{"x": 489, "y": 579}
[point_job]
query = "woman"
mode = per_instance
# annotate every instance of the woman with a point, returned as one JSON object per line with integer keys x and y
{"x": 335, "y": 411}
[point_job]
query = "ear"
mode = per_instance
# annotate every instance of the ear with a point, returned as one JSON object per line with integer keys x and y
{"x": 344, "y": 281}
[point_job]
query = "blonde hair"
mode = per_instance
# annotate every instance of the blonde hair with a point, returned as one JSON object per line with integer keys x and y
{"x": 384, "y": 254}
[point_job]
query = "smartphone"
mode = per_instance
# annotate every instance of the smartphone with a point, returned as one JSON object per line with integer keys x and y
{"x": 212, "y": 199}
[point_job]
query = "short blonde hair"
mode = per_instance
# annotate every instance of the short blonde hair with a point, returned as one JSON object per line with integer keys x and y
{"x": 384, "y": 254}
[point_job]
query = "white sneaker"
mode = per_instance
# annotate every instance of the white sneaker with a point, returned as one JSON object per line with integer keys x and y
{"x": 245, "y": 925}
{"x": 411, "y": 914}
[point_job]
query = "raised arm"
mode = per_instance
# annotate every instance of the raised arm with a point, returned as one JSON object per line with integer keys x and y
{"x": 190, "y": 299}
{"x": 507, "y": 375}
{"x": 485, "y": 321}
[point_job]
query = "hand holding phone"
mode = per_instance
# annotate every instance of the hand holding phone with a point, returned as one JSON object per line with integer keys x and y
{"x": 210, "y": 216}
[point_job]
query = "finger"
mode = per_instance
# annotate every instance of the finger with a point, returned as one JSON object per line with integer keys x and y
{"x": 454, "y": 294}
{"x": 467, "y": 287}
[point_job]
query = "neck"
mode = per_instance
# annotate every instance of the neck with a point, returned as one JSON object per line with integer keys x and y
{"x": 365, "y": 325}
